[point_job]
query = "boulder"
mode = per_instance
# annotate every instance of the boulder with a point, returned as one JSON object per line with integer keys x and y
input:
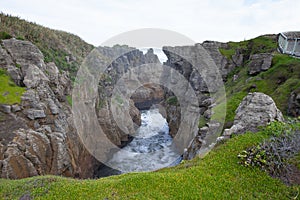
{"x": 256, "y": 110}
{"x": 259, "y": 62}
{"x": 24, "y": 62}
{"x": 15, "y": 165}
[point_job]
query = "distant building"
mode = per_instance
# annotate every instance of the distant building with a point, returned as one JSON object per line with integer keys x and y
{"x": 289, "y": 43}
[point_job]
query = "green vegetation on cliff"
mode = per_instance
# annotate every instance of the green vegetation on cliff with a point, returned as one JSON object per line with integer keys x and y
{"x": 261, "y": 44}
{"x": 65, "y": 49}
{"x": 10, "y": 93}
{"x": 278, "y": 82}
{"x": 216, "y": 176}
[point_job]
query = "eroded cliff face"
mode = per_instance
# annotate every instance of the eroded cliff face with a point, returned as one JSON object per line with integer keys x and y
{"x": 124, "y": 59}
{"x": 224, "y": 64}
{"x": 38, "y": 136}
{"x": 193, "y": 63}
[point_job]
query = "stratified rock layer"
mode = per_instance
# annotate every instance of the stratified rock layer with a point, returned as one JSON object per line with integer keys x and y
{"x": 38, "y": 136}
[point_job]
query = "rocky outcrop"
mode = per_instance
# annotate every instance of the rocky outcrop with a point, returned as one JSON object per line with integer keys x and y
{"x": 256, "y": 110}
{"x": 150, "y": 57}
{"x": 36, "y": 153}
{"x": 191, "y": 62}
{"x": 123, "y": 59}
{"x": 259, "y": 62}
{"x": 204, "y": 140}
{"x": 37, "y": 136}
{"x": 225, "y": 65}
{"x": 27, "y": 60}
{"x": 294, "y": 104}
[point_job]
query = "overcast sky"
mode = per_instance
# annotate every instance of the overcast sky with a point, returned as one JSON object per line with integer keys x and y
{"x": 96, "y": 21}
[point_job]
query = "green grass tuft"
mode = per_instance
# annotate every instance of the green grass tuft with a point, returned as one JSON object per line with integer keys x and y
{"x": 4, "y": 35}
{"x": 10, "y": 93}
{"x": 228, "y": 53}
{"x": 172, "y": 100}
{"x": 261, "y": 44}
{"x": 69, "y": 100}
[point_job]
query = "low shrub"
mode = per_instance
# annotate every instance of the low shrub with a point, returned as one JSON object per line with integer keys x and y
{"x": 273, "y": 154}
{"x": 4, "y": 35}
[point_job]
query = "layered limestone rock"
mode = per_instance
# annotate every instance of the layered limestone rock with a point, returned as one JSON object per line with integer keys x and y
{"x": 123, "y": 59}
{"x": 255, "y": 110}
{"x": 196, "y": 67}
{"x": 37, "y": 136}
{"x": 225, "y": 65}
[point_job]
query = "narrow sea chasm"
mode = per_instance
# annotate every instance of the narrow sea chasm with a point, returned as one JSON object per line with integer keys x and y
{"x": 150, "y": 149}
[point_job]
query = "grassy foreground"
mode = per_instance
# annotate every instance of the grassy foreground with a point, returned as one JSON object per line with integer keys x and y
{"x": 216, "y": 176}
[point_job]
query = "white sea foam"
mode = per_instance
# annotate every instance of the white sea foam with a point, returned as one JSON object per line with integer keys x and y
{"x": 150, "y": 149}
